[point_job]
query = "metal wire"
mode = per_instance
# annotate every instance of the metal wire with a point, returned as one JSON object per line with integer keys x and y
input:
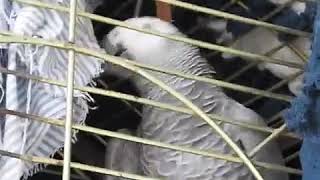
{"x": 232, "y": 2}
{"x": 57, "y": 173}
{"x": 233, "y": 17}
{"x": 302, "y": 56}
{"x": 70, "y": 81}
{"x": 75, "y": 165}
{"x": 65, "y": 47}
{"x": 264, "y": 18}
{"x": 216, "y": 128}
{"x": 249, "y": 56}
{"x": 128, "y": 97}
{"x": 150, "y": 142}
{"x": 253, "y": 64}
{"x": 79, "y": 172}
{"x": 274, "y": 87}
{"x": 212, "y": 120}
{"x": 103, "y": 84}
{"x": 271, "y": 137}
{"x": 137, "y": 9}
{"x": 292, "y": 156}
{"x": 10, "y": 38}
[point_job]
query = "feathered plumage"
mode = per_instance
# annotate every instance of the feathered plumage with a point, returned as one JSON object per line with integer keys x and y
{"x": 182, "y": 129}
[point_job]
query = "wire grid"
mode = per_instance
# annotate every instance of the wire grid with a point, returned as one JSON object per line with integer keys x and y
{"x": 7, "y": 37}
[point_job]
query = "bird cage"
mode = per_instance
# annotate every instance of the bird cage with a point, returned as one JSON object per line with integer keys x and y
{"x": 257, "y": 51}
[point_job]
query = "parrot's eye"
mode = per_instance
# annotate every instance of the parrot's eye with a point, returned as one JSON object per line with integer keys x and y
{"x": 119, "y": 52}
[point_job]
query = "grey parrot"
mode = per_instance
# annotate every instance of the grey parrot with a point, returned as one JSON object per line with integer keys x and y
{"x": 184, "y": 129}
{"x": 122, "y": 155}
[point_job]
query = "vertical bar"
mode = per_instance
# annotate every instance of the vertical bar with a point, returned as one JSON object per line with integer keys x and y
{"x": 69, "y": 115}
{"x": 137, "y": 9}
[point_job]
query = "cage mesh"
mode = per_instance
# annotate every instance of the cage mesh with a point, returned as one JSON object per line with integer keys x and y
{"x": 277, "y": 129}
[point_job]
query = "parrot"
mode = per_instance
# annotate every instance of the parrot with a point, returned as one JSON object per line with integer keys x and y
{"x": 116, "y": 150}
{"x": 186, "y": 129}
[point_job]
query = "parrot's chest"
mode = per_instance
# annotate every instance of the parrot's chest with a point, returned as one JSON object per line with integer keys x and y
{"x": 187, "y": 130}
{"x": 181, "y": 128}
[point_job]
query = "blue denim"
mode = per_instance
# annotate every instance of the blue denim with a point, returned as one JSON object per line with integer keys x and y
{"x": 304, "y": 115}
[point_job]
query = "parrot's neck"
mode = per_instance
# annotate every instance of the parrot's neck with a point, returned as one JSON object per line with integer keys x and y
{"x": 183, "y": 58}
{"x": 187, "y": 59}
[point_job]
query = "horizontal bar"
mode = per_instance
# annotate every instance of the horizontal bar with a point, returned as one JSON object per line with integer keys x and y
{"x": 11, "y": 38}
{"x": 151, "y": 142}
{"x": 202, "y": 44}
{"x": 75, "y": 165}
{"x": 274, "y": 87}
{"x": 292, "y": 156}
{"x": 56, "y": 173}
{"x": 145, "y": 101}
{"x": 182, "y": 99}
{"x": 199, "y": 112}
{"x": 234, "y": 17}
{"x": 264, "y": 18}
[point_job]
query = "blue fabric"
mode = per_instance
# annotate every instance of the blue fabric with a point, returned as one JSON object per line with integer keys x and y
{"x": 310, "y": 160}
{"x": 304, "y": 115}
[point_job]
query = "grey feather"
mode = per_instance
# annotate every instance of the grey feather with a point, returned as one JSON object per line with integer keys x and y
{"x": 122, "y": 155}
{"x": 182, "y": 129}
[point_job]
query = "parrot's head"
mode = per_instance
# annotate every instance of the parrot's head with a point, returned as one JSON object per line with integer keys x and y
{"x": 138, "y": 46}
{"x": 153, "y": 50}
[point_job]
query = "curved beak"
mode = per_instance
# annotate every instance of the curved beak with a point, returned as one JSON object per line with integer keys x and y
{"x": 117, "y": 50}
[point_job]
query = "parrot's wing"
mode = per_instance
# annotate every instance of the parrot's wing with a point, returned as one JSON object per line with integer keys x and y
{"x": 187, "y": 130}
{"x": 123, "y": 156}
{"x": 249, "y": 139}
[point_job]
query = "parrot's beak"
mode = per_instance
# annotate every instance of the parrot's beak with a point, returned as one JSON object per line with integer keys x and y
{"x": 117, "y": 50}
{"x": 110, "y": 48}
{"x": 107, "y": 46}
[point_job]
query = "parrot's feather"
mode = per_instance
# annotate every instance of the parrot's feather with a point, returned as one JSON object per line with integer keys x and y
{"x": 183, "y": 129}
